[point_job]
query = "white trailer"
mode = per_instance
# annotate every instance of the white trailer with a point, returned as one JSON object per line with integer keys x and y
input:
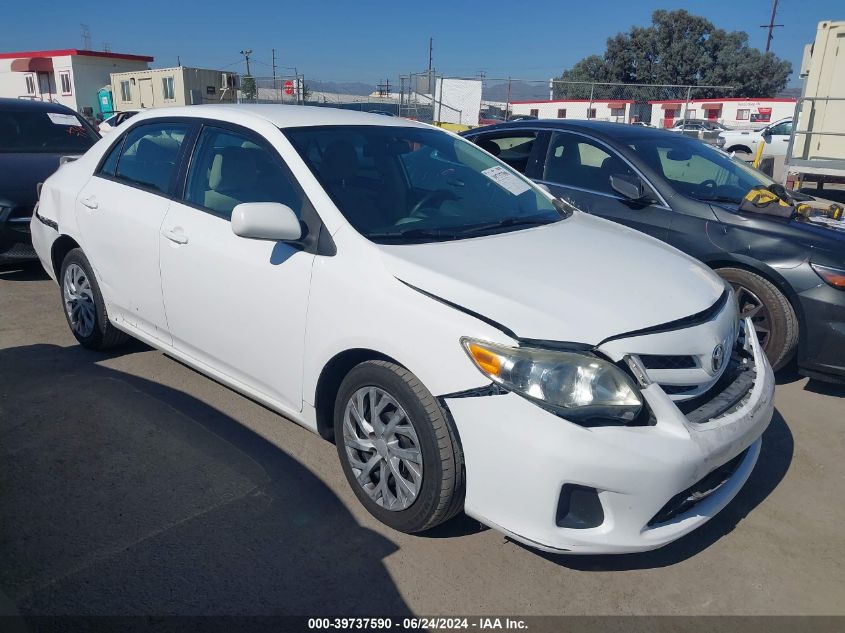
{"x": 817, "y": 146}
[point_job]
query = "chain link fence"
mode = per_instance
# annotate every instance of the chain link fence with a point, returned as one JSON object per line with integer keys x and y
{"x": 470, "y": 101}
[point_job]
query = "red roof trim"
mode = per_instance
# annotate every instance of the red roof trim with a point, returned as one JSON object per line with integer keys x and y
{"x": 725, "y": 100}
{"x": 574, "y": 101}
{"x": 76, "y": 51}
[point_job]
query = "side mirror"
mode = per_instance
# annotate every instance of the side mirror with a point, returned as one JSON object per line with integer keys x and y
{"x": 628, "y": 186}
{"x": 767, "y": 133}
{"x": 266, "y": 221}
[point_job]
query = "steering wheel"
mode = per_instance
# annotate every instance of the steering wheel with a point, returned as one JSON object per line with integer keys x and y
{"x": 428, "y": 198}
{"x": 709, "y": 185}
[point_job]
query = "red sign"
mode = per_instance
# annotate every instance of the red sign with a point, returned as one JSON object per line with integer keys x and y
{"x": 288, "y": 87}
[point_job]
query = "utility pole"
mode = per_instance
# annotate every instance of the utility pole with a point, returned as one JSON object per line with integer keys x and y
{"x": 86, "y": 36}
{"x": 274, "y": 73}
{"x": 771, "y": 25}
{"x": 430, "y": 49}
{"x": 179, "y": 61}
{"x": 246, "y": 53}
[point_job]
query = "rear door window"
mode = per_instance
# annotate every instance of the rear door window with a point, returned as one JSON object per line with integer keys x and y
{"x": 150, "y": 154}
{"x": 513, "y": 148}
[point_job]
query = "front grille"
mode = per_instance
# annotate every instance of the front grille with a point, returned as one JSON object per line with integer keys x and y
{"x": 664, "y": 361}
{"x": 672, "y": 390}
{"x": 684, "y": 501}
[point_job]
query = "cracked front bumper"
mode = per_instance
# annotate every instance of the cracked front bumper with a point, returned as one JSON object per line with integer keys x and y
{"x": 519, "y": 456}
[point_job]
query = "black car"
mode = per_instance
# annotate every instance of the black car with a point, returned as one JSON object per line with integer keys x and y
{"x": 34, "y": 135}
{"x": 788, "y": 272}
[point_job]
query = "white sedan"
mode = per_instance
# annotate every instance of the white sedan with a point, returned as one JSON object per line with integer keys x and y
{"x": 468, "y": 341}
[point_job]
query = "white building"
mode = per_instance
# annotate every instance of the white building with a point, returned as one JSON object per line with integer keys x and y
{"x": 734, "y": 112}
{"x": 618, "y": 110}
{"x": 71, "y": 77}
{"x": 177, "y": 86}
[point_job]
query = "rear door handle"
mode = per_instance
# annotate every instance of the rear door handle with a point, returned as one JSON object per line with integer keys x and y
{"x": 175, "y": 236}
{"x": 90, "y": 202}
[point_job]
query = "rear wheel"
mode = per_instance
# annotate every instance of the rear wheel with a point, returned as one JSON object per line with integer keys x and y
{"x": 85, "y": 310}
{"x": 771, "y": 313}
{"x": 397, "y": 447}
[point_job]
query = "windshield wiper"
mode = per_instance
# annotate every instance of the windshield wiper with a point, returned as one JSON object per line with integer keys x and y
{"x": 719, "y": 199}
{"x": 507, "y": 222}
{"x": 414, "y": 234}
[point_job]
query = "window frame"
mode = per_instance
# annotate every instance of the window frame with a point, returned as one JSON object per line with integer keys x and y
{"x": 125, "y": 96}
{"x": 165, "y": 82}
{"x": 591, "y": 113}
{"x": 247, "y": 134}
{"x": 746, "y": 116}
{"x": 65, "y": 74}
{"x": 535, "y": 156}
{"x": 561, "y": 113}
{"x": 190, "y": 135}
{"x": 315, "y": 239}
{"x": 534, "y": 112}
{"x": 30, "y": 83}
{"x": 659, "y": 200}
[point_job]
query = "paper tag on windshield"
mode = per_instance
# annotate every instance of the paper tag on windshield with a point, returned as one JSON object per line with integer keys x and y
{"x": 506, "y": 180}
{"x": 63, "y": 119}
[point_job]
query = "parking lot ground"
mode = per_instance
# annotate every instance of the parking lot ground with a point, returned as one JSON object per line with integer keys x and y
{"x": 130, "y": 484}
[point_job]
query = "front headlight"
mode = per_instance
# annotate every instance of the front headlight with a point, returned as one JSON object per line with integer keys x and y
{"x": 578, "y": 386}
{"x": 833, "y": 276}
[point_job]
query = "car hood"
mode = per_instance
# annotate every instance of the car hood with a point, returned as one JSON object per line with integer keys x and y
{"x": 20, "y": 173}
{"x": 579, "y": 280}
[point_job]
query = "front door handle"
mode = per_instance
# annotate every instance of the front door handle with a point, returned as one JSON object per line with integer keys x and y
{"x": 90, "y": 202}
{"x": 176, "y": 236}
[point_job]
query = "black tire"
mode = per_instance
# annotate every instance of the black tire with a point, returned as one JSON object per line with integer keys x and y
{"x": 777, "y": 315}
{"x": 441, "y": 493}
{"x": 104, "y": 335}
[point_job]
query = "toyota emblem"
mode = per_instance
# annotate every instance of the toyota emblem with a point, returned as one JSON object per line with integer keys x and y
{"x": 717, "y": 358}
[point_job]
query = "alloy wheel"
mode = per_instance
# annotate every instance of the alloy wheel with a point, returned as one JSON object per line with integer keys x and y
{"x": 750, "y": 305}
{"x": 78, "y": 300}
{"x": 383, "y": 449}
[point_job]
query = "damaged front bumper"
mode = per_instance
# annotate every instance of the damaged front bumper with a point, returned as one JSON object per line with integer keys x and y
{"x": 653, "y": 484}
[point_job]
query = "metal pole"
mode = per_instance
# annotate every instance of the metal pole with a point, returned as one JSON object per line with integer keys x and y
{"x": 274, "y": 75}
{"x": 592, "y": 90}
{"x": 686, "y": 107}
{"x": 440, "y": 101}
{"x": 551, "y": 88}
{"x": 508, "y": 104}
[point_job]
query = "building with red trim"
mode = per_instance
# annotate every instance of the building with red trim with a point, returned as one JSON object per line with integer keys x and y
{"x": 618, "y": 110}
{"x": 71, "y": 76}
{"x": 732, "y": 112}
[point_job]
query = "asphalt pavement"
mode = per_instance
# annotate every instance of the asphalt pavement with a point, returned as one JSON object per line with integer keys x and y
{"x": 131, "y": 484}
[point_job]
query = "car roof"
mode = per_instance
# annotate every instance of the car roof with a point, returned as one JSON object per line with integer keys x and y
{"x": 33, "y": 105}
{"x": 281, "y": 116}
{"x": 606, "y": 130}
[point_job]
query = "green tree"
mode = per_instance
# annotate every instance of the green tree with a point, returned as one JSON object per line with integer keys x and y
{"x": 248, "y": 88}
{"x": 678, "y": 48}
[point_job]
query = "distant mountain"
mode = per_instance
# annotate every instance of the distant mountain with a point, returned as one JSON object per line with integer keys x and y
{"x": 345, "y": 88}
{"x": 520, "y": 91}
{"x": 790, "y": 93}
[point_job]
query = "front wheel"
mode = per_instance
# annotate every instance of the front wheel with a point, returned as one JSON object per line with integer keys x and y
{"x": 83, "y": 304}
{"x": 771, "y": 313}
{"x": 397, "y": 447}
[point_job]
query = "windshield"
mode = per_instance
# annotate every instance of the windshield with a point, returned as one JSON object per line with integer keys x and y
{"x": 404, "y": 184}
{"x": 697, "y": 170}
{"x": 25, "y": 131}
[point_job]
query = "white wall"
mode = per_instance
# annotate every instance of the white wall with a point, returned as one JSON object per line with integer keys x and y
{"x": 728, "y": 116}
{"x": 576, "y": 109}
{"x": 87, "y": 74}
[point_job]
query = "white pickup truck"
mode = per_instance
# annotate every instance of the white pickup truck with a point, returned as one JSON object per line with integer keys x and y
{"x": 775, "y": 135}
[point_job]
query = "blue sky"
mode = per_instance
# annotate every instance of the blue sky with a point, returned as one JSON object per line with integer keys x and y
{"x": 366, "y": 40}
